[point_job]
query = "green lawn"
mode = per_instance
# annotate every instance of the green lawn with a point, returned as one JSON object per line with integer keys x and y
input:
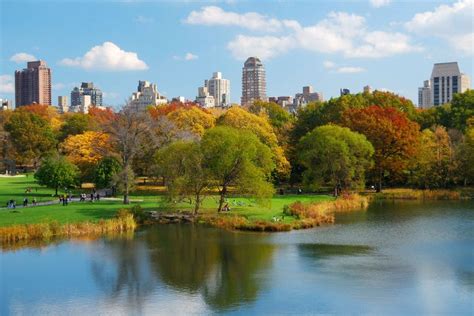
{"x": 15, "y": 187}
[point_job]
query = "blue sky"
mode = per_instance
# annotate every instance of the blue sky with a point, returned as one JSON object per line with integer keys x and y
{"x": 387, "y": 44}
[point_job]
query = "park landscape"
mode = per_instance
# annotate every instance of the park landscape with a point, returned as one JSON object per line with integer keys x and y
{"x": 173, "y": 157}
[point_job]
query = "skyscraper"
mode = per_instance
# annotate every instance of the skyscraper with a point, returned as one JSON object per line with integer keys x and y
{"x": 254, "y": 86}
{"x": 219, "y": 88}
{"x": 33, "y": 84}
{"x": 424, "y": 95}
{"x": 447, "y": 79}
{"x": 62, "y": 104}
{"x": 147, "y": 94}
{"x": 87, "y": 88}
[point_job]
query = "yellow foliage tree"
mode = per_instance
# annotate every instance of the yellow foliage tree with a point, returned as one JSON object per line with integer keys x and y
{"x": 239, "y": 118}
{"x": 192, "y": 119}
{"x": 87, "y": 149}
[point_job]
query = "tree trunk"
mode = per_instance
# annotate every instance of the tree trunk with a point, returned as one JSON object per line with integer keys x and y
{"x": 126, "y": 199}
{"x": 56, "y": 191}
{"x": 379, "y": 184}
{"x": 335, "y": 191}
{"x": 222, "y": 198}
{"x": 197, "y": 203}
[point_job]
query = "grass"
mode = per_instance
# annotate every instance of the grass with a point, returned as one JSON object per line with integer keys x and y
{"x": 15, "y": 187}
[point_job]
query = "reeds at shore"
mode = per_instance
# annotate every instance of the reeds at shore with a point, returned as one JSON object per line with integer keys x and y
{"x": 44, "y": 231}
{"x": 411, "y": 194}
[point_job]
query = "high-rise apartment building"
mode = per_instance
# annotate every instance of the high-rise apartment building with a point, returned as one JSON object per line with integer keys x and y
{"x": 146, "y": 95}
{"x": 62, "y": 104}
{"x": 87, "y": 88}
{"x": 219, "y": 88}
{"x": 33, "y": 84}
{"x": 447, "y": 79}
{"x": 367, "y": 89}
{"x": 344, "y": 91}
{"x": 424, "y": 95}
{"x": 308, "y": 95}
{"x": 204, "y": 99}
{"x": 254, "y": 85}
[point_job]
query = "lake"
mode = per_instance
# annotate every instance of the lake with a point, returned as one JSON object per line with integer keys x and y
{"x": 395, "y": 258}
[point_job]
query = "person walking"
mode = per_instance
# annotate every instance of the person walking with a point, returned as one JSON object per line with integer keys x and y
{"x": 25, "y": 202}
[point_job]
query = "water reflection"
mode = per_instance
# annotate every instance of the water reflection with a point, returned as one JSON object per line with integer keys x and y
{"x": 222, "y": 266}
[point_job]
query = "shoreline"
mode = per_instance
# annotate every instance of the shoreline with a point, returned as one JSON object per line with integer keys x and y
{"x": 295, "y": 216}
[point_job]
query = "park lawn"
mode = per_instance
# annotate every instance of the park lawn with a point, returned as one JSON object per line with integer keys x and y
{"x": 73, "y": 213}
{"x": 246, "y": 207}
{"x": 15, "y": 188}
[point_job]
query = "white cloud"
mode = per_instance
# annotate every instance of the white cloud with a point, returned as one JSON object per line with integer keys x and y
{"x": 190, "y": 56}
{"x": 349, "y": 70}
{"x": 22, "y": 58}
{"x": 380, "y": 3}
{"x": 107, "y": 56}
{"x": 212, "y": 15}
{"x": 262, "y": 46}
{"x": 452, "y": 23}
{"x": 7, "y": 84}
{"x": 340, "y": 32}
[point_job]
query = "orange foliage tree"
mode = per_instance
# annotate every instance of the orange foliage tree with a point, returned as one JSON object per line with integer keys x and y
{"x": 46, "y": 112}
{"x": 392, "y": 134}
{"x": 100, "y": 117}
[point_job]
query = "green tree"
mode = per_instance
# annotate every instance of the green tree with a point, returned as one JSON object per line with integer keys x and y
{"x": 182, "y": 165}
{"x": 239, "y": 159}
{"x": 434, "y": 165}
{"x": 462, "y": 107}
{"x": 74, "y": 124}
{"x": 57, "y": 172}
{"x": 105, "y": 171}
{"x": 336, "y": 156}
{"x": 31, "y": 136}
{"x": 465, "y": 157}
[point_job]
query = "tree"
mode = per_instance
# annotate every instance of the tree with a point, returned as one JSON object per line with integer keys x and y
{"x": 46, "y": 112}
{"x": 462, "y": 107}
{"x": 182, "y": 165}
{"x": 465, "y": 156}
{"x": 31, "y": 136}
{"x": 57, "y": 172}
{"x": 241, "y": 119}
{"x": 393, "y": 135}
{"x": 74, "y": 123}
{"x": 100, "y": 117}
{"x": 127, "y": 132}
{"x": 277, "y": 116}
{"x": 86, "y": 150}
{"x": 239, "y": 159}
{"x": 192, "y": 119}
{"x": 335, "y": 156}
{"x": 105, "y": 172}
{"x": 434, "y": 165}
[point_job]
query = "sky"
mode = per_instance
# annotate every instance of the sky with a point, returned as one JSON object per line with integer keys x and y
{"x": 387, "y": 44}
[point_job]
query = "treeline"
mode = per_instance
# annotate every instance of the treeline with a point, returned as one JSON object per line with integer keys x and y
{"x": 346, "y": 143}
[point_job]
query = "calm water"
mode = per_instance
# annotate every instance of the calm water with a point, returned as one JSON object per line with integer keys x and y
{"x": 402, "y": 258}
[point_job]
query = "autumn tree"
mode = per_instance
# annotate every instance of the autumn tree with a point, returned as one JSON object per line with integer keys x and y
{"x": 192, "y": 119}
{"x": 241, "y": 119}
{"x": 182, "y": 165}
{"x": 86, "y": 150}
{"x": 31, "y": 136}
{"x": 335, "y": 156}
{"x": 393, "y": 135}
{"x": 46, "y": 112}
{"x": 127, "y": 133}
{"x": 100, "y": 117}
{"x": 434, "y": 164}
{"x": 57, "y": 172}
{"x": 239, "y": 159}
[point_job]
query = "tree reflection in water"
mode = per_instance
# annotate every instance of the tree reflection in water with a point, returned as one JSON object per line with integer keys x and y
{"x": 221, "y": 265}
{"x": 120, "y": 269}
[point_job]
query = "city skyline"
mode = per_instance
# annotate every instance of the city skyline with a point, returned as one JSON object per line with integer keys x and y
{"x": 283, "y": 37}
